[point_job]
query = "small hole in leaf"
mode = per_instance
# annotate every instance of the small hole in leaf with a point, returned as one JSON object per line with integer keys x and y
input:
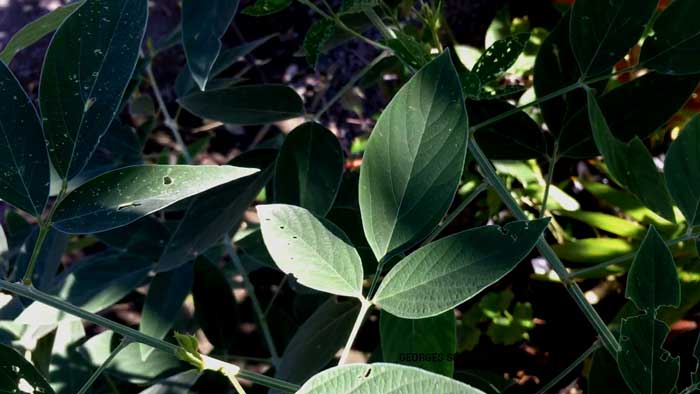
{"x": 281, "y": 227}
{"x": 367, "y": 373}
{"x": 294, "y": 237}
{"x": 167, "y": 180}
{"x": 128, "y": 205}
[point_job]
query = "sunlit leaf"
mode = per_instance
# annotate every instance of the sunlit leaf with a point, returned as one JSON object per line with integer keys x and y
{"x": 682, "y": 168}
{"x": 498, "y": 58}
{"x": 593, "y": 250}
{"x": 18, "y": 375}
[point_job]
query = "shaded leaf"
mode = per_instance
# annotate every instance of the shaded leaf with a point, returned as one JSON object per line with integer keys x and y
{"x": 164, "y": 300}
{"x": 80, "y": 98}
{"x": 382, "y": 378}
{"x": 316, "y": 38}
{"x": 645, "y": 365}
{"x": 603, "y": 31}
{"x": 674, "y": 47}
{"x": 214, "y": 306}
{"x": 35, "y": 30}
{"x": 246, "y": 105}
{"x": 414, "y": 159}
{"x": 443, "y": 274}
{"x": 203, "y": 25}
{"x": 682, "y": 167}
{"x": 604, "y": 375}
{"x": 407, "y": 341}
{"x": 499, "y": 57}
{"x": 122, "y": 196}
{"x": 18, "y": 375}
{"x": 24, "y": 160}
{"x": 177, "y": 384}
{"x": 652, "y": 281}
{"x": 630, "y": 164}
{"x": 309, "y": 168}
{"x": 316, "y": 252}
{"x": 266, "y": 7}
{"x": 411, "y": 52}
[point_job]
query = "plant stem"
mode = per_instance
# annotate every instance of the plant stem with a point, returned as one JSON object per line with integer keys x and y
{"x": 379, "y": 24}
{"x": 550, "y": 176}
{"x": 353, "y": 81}
{"x": 366, "y": 305}
{"x": 453, "y": 215}
{"x": 168, "y": 120}
{"x": 123, "y": 344}
{"x": 547, "y": 252}
{"x": 127, "y": 332}
{"x": 570, "y": 368}
{"x": 274, "y": 296}
{"x": 250, "y": 289}
{"x": 624, "y": 257}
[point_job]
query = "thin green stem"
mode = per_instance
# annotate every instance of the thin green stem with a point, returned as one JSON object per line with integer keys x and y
{"x": 250, "y": 289}
{"x": 547, "y": 252}
{"x": 550, "y": 175}
{"x": 621, "y": 259}
{"x": 127, "y": 332}
{"x": 570, "y": 368}
{"x": 379, "y": 24}
{"x": 274, "y": 296}
{"x": 453, "y": 215}
{"x": 366, "y": 305}
{"x": 123, "y": 344}
{"x": 353, "y": 81}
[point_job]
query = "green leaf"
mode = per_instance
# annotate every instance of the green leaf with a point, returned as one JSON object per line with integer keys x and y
{"x": 122, "y": 196}
{"x": 316, "y": 252}
{"x": 351, "y": 6}
{"x": 674, "y": 47}
{"x": 215, "y": 308}
{"x": 509, "y": 329}
{"x": 246, "y": 105}
{"x": 409, "y": 50}
{"x": 266, "y": 7}
{"x": 382, "y": 378}
{"x": 210, "y": 216}
{"x": 177, "y": 384}
{"x": 630, "y": 164}
{"x": 645, "y": 365}
{"x": 309, "y": 168}
{"x": 603, "y": 221}
{"x": 604, "y": 375}
{"x": 516, "y": 137}
{"x": 682, "y": 168}
{"x": 18, "y": 375}
{"x": 48, "y": 262}
{"x": 34, "y": 31}
{"x": 652, "y": 281}
{"x": 447, "y": 272}
{"x": 410, "y": 342}
{"x": 24, "y": 160}
{"x": 636, "y": 108}
{"x": 603, "y": 31}
{"x": 203, "y": 25}
{"x": 499, "y": 57}
{"x": 92, "y": 284}
{"x": 317, "y": 341}
{"x": 414, "y": 159}
{"x": 593, "y": 250}
{"x": 164, "y": 300}
{"x": 316, "y": 38}
{"x": 86, "y": 71}
{"x": 695, "y": 375}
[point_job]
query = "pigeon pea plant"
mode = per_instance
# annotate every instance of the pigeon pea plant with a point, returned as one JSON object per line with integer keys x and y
{"x": 165, "y": 224}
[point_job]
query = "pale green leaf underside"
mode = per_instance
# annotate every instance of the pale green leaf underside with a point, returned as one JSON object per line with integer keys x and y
{"x": 316, "y": 253}
{"x": 682, "y": 170}
{"x": 447, "y": 272}
{"x": 414, "y": 159}
{"x": 382, "y": 378}
{"x": 122, "y": 196}
{"x": 86, "y": 71}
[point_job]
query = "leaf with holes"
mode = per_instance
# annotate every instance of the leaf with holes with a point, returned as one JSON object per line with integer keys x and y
{"x": 682, "y": 168}
{"x": 203, "y": 25}
{"x": 24, "y": 160}
{"x": 315, "y": 251}
{"x": 630, "y": 164}
{"x": 414, "y": 159}
{"x": 675, "y": 46}
{"x": 645, "y": 365}
{"x": 499, "y": 57}
{"x": 86, "y": 71}
{"x": 122, "y": 196}
{"x": 17, "y": 375}
{"x": 433, "y": 335}
{"x": 382, "y": 378}
{"x": 266, "y": 7}
{"x": 246, "y": 105}
{"x": 309, "y": 168}
{"x": 447, "y": 272}
{"x": 652, "y": 281}
{"x": 36, "y": 30}
{"x": 603, "y": 31}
